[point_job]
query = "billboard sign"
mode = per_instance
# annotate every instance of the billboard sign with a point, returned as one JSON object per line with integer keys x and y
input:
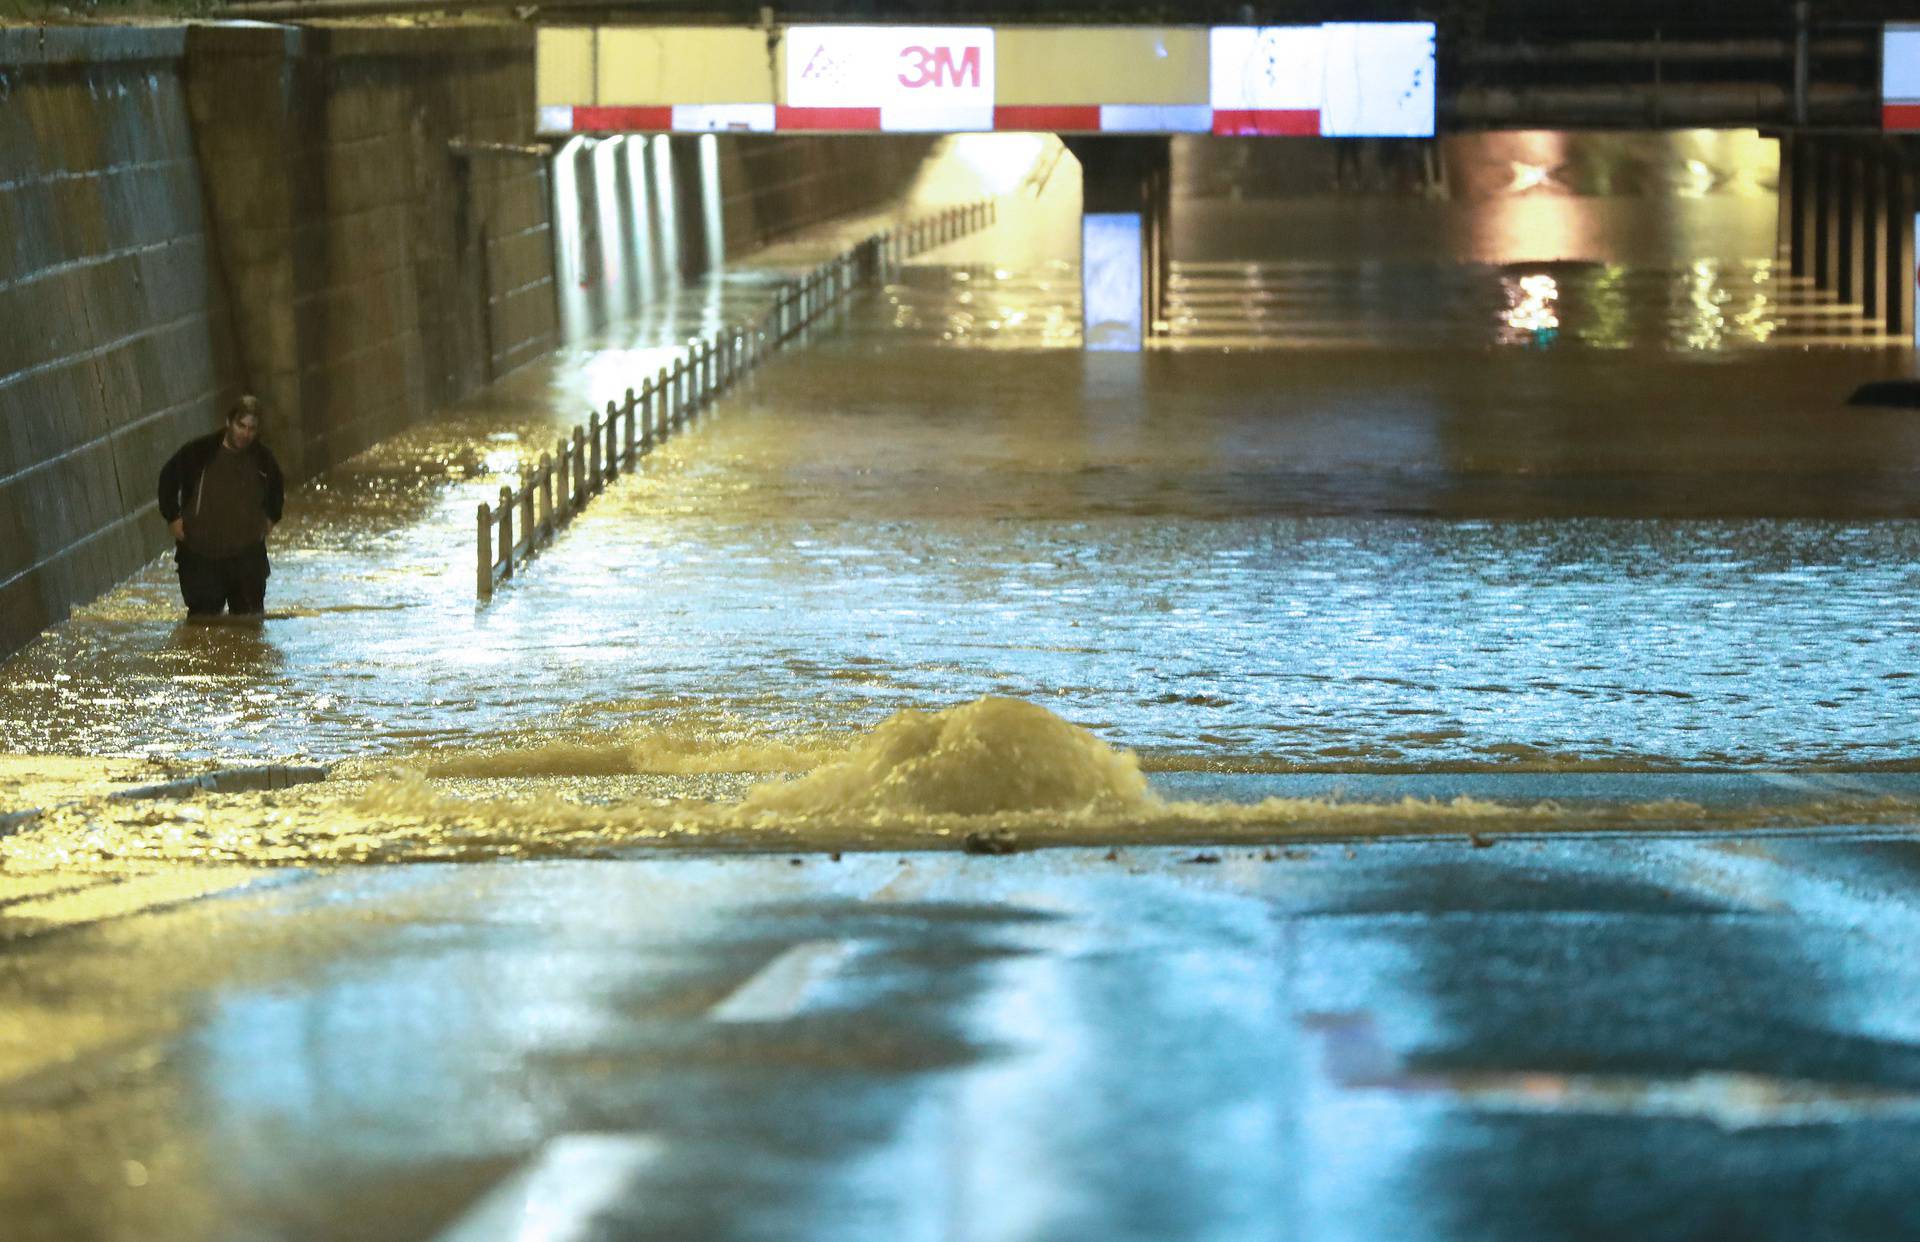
{"x": 1900, "y": 78}
{"x": 913, "y": 77}
{"x": 1335, "y": 80}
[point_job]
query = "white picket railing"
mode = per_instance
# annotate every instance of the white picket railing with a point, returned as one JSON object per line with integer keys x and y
{"x": 581, "y": 465}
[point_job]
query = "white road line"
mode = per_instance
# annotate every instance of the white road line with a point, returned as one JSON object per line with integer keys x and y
{"x": 556, "y": 1196}
{"x": 778, "y": 990}
{"x": 1787, "y": 780}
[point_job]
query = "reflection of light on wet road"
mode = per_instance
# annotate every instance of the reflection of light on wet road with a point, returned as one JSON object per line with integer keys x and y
{"x": 1175, "y": 549}
{"x": 1531, "y": 301}
{"x": 1528, "y": 176}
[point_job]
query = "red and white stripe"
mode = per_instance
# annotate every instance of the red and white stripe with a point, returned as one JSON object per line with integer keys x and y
{"x": 1267, "y": 122}
{"x": 1900, "y": 78}
{"x": 1030, "y": 118}
{"x": 1105, "y": 118}
{"x": 660, "y": 119}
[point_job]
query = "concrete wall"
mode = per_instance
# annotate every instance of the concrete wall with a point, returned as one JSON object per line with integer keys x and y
{"x": 158, "y": 257}
{"x": 376, "y": 273}
{"x": 774, "y": 185}
{"x": 632, "y": 212}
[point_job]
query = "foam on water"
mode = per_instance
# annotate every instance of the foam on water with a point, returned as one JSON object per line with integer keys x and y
{"x": 992, "y": 756}
{"x": 630, "y": 751}
{"x": 917, "y": 780}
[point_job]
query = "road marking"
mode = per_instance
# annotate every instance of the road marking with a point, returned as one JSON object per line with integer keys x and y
{"x": 557, "y": 1195}
{"x": 778, "y": 990}
{"x": 1356, "y": 1058}
{"x": 133, "y": 896}
{"x": 16, "y": 889}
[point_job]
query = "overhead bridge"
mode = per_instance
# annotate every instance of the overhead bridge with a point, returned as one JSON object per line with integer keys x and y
{"x": 1334, "y": 79}
{"x": 1836, "y": 96}
{"x": 1116, "y": 92}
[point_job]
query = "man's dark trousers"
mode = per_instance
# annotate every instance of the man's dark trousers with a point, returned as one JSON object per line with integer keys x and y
{"x": 212, "y": 585}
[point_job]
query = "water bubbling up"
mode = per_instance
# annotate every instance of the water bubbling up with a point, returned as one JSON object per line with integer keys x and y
{"x": 992, "y": 756}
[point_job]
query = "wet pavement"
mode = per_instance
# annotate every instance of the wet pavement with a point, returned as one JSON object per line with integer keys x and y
{"x": 1650, "y": 1037}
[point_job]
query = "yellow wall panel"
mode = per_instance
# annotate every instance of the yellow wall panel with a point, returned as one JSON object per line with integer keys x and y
{"x": 641, "y": 65}
{"x": 563, "y": 65}
{"x": 1100, "y": 65}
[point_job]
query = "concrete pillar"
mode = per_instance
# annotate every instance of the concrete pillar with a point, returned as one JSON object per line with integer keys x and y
{"x": 1899, "y": 318}
{"x": 1873, "y": 237}
{"x": 1806, "y": 204}
{"x": 1833, "y": 215}
{"x": 1850, "y": 279}
{"x": 1783, "y": 228}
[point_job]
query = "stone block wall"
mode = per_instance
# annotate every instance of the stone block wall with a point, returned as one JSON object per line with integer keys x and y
{"x": 114, "y": 346}
{"x": 187, "y": 213}
{"x": 384, "y": 263}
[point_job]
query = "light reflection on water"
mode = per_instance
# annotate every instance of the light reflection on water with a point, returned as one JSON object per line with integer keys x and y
{"x": 803, "y": 564}
{"x": 1361, "y": 559}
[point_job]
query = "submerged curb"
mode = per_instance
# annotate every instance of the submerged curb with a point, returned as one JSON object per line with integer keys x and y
{"x": 225, "y": 780}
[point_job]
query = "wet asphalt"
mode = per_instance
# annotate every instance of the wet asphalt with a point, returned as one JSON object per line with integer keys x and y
{"x": 1642, "y": 1037}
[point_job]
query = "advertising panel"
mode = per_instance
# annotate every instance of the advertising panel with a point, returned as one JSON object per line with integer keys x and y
{"x": 1336, "y": 80}
{"x": 1112, "y": 315}
{"x": 1379, "y": 80}
{"x": 1900, "y": 78}
{"x": 890, "y": 77}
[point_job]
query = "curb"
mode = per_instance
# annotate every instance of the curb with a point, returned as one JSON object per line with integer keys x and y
{"x": 225, "y": 780}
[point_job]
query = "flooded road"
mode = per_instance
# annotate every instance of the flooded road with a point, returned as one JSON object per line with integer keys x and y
{"x": 1493, "y": 748}
{"x": 1574, "y": 555}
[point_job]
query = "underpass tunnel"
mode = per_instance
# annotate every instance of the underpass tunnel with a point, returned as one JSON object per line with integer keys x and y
{"x": 1691, "y": 239}
{"x": 638, "y": 216}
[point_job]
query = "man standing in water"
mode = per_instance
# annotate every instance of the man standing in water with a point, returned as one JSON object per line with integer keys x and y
{"x": 221, "y": 495}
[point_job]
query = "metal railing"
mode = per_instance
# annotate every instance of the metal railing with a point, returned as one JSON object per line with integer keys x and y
{"x": 582, "y": 464}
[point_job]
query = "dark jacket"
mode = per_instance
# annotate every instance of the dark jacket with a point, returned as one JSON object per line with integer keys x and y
{"x": 180, "y": 477}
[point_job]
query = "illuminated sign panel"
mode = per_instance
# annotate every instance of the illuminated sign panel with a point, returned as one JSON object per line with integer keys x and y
{"x": 1333, "y": 80}
{"x": 1111, "y": 280}
{"x": 1267, "y": 79}
{"x": 889, "y": 77}
{"x": 1338, "y": 80}
{"x": 1900, "y": 78}
{"x": 1379, "y": 80}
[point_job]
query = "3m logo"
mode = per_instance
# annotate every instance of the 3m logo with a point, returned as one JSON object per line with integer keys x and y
{"x": 936, "y": 67}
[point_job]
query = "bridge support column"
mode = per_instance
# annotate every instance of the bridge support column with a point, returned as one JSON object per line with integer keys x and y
{"x": 1850, "y": 270}
{"x": 1901, "y": 204}
{"x": 1785, "y": 196}
{"x": 1873, "y": 235}
{"x": 1832, "y": 208}
{"x": 1122, "y": 236}
{"x": 1804, "y": 243}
